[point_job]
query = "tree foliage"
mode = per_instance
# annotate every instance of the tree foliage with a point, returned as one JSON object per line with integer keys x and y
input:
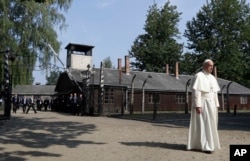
{"x": 52, "y": 79}
{"x": 158, "y": 46}
{"x": 26, "y": 27}
{"x": 220, "y": 31}
{"x": 107, "y": 63}
{"x": 187, "y": 65}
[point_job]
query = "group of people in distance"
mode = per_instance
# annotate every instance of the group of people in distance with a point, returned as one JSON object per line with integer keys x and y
{"x": 28, "y": 102}
{"x": 72, "y": 103}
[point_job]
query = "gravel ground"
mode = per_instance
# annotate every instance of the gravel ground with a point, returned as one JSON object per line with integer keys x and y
{"x": 54, "y": 136}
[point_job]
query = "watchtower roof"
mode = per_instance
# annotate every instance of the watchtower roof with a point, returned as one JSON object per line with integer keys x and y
{"x": 79, "y": 47}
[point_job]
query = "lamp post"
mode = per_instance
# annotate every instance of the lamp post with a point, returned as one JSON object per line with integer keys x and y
{"x": 222, "y": 97}
{"x": 87, "y": 90}
{"x": 93, "y": 88}
{"x": 132, "y": 96}
{"x": 85, "y": 84}
{"x": 101, "y": 91}
{"x": 228, "y": 107}
{"x": 187, "y": 99}
{"x": 143, "y": 94}
{"x": 143, "y": 100}
{"x": 156, "y": 98}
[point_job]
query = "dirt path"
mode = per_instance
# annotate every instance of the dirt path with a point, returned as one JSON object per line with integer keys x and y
{"x": 57, "y": 137}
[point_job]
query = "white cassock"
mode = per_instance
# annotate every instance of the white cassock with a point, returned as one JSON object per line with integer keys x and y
{"x": 203, "y": 133}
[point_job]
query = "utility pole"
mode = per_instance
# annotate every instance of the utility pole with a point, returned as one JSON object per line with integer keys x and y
{"x": 7, "y": 88}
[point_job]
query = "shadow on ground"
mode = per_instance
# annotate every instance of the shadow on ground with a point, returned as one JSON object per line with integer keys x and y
{"x": 157, "y": 145}
{"x": 227, "y": 121}
{"x": 38, "y": 134}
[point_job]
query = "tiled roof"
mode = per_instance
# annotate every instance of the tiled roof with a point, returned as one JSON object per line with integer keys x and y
{"x": 157, "y": 82}
{"x": 34, "y": 89}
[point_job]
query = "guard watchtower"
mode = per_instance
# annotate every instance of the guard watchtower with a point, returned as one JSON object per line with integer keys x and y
{"x": 78, "y": 56}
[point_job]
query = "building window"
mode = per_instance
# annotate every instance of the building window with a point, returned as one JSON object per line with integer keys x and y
{"x": 180, "y": 99}
{"x": 243, "y": 100}
{"x": 109, "y": 95}
{"x": 151, "y": 97}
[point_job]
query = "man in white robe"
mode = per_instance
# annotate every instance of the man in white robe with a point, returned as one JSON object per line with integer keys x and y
{"x": 203, "y": 133}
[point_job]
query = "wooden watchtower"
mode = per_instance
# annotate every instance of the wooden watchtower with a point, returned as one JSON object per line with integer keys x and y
{"x": 79, "y": 56}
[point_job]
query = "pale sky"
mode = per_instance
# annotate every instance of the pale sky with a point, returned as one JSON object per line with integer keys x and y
{"x": 112, "y": 26}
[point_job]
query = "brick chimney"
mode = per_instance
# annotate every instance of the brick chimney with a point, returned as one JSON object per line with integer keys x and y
{"x": 120, "y": 69}
{"x": 119, "y": 63}
{"x": 127, "y": 64}
{"x": 177, "y": 70}
{"x": 167, "y": 69}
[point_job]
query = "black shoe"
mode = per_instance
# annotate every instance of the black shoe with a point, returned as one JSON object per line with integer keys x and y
{"x": 208, "y": 152}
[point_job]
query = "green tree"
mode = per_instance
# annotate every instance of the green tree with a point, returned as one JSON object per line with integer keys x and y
{"x": 52, "y": 79}
{"x": 107, "y": 63}
{"x": 26, "y": 27}
{"x": 188, "y": 65}
{"x": 220, "y": 31}
{"x": 158, "y": 46}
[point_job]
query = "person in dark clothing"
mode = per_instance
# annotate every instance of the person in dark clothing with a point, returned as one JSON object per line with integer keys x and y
{"x": 24, "y": 103}
{"x": 79, "y": 105}
{"x": 52, "y": 104}
{"x": 74, "y": 104}
{"x": 39, "y": 104}
{"x": 46, "y": 104}
{"x": 15, "y": 103}
{"x": 31, "y": 104}
{"x": 69, "y": 104}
